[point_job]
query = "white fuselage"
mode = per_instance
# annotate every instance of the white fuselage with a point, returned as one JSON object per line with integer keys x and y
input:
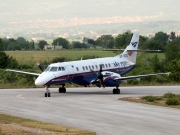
{"x": 81, "y": 72}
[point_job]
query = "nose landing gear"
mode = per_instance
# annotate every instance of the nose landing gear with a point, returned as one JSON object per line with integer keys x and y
{"x": 47, "y": 94}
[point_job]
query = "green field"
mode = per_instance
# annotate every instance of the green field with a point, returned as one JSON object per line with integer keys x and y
{"x": 40, "y": 56}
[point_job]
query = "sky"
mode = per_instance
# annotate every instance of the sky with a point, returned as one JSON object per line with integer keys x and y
{"x": 17, "y": 11}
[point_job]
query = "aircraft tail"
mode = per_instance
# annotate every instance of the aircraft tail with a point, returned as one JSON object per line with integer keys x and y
{"x": 130, "y": 52}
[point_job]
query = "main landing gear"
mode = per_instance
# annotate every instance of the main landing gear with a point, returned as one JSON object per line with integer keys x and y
{"x": 62, "y": 89}
{"x": 116, "y": 91}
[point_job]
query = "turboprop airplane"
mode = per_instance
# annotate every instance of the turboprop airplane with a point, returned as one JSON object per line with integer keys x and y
{"x": 102, "y": 72}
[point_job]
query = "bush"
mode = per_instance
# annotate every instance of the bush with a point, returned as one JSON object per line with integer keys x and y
{"x": 133, "y": 82}
{"x": 89, "y": 57}
{"x": 149, "y": 98}
{"x": 59, "y": 59}
{"x": 169, "y": 95}
{"x": 172, "y": 101}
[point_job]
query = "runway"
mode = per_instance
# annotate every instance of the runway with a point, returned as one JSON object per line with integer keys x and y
{"x": 95, "y": 109}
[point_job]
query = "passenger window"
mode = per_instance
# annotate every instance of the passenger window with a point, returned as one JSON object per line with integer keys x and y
{"x": 86, "y": 68}
{"x": 101, "y": 65}
{"x": 77, "y": 68}
{"x": 92, "y": 67}
{"x": 96, "y": 67}
{"x": 106, "y": 65}
{"x": 109, "y": 65}
{"x": 83, "y": 68}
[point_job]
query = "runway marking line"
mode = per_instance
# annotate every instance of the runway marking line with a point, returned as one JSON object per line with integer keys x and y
{"x": 20, "y": 96}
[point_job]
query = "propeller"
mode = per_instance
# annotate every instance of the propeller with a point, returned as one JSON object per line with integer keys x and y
{"x": 40, "y": 67}
{"x": 99, "y": 75}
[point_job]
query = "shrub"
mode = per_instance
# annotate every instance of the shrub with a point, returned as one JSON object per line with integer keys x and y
{"x": 172, "y": 101}
{"x": 89, "y": 57}
{"x": 59, "y": 59}
{"x": 169, "y": 95}
{"x": 133, "y": 82}
{"x": 149, "y": 98}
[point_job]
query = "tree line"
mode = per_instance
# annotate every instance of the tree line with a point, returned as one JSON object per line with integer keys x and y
{"x": 158, "y": 42}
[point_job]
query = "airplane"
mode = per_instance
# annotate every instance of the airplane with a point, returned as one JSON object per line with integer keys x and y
{"x": 102, "y": 72}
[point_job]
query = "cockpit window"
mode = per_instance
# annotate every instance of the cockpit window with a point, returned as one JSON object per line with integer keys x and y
{"x": 53, "y": 69}
{"x": 61, "y": 68}
{"x": 47, "y": 69}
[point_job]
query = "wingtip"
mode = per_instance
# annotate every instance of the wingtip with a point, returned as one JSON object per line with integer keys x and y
{"x": 168, "y": 73}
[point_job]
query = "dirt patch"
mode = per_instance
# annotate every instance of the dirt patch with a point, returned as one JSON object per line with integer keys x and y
{"x": 13, "y": 129}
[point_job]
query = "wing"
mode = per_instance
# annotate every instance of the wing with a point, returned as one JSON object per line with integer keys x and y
{"x": 140, "y": 76}
{"x": 22, "y": 72}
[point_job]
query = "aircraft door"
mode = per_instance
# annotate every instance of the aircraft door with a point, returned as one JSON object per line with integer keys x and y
{"x": 70, "y": 72}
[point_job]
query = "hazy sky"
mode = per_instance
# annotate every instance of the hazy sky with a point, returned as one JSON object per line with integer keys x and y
{"x": 28, "y": 10}
{"x": 47, "y": 9}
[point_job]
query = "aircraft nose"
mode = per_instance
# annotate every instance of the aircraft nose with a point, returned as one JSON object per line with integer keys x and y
{"x": 39, "y": 82}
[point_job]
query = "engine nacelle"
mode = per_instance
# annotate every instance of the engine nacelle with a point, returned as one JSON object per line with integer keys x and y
{"x": 109, "y": 77}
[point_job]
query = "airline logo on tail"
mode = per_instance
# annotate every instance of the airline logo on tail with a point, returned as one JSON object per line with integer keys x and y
{"x": 129, "y": 53}
{"x": 134, "y": 44}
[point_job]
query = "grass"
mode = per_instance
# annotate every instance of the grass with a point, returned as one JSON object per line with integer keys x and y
{"x": 20, "y": 126}
{"x": 38, "y": 56}
{"x": 167, "y": 100}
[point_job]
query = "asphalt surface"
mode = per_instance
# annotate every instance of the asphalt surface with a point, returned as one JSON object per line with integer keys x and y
{"x": 95, "y": 109}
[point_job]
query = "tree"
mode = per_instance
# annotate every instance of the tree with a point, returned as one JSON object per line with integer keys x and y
{"x": 122, "y": 40}
{"x": 172, "y": 51}
{"x": 1, "y": 45}
{"x": 92, "y": 42}
{"x": 78, "y": 44}
{"x": 154, "y": 45}
{"x": 172, "y": 35}
{"x": 142, "y": 42}
{"x": 23, "y": 43}
{"x": 162, "y": 38}
{"x": 42, "y": 43}
{"x": 3, "y": 59}
{"x": 105, "y": 41}
{"x": 7, "y": 61}
{"x": 61, "y": 41}
{"x": 157, "y": 64}
{"x": 174, "y": 67}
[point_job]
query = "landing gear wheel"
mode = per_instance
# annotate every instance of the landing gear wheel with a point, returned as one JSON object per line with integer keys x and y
{"x": 116, "y": 91}
{"x": 62, "y": 90}
{"x": 47, "y": 94}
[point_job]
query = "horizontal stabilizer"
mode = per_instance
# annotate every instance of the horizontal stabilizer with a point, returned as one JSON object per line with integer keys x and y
{"x": 143, "y": 50}
{"x": 132, "y": 50}
{"x": 113, "y": 49}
